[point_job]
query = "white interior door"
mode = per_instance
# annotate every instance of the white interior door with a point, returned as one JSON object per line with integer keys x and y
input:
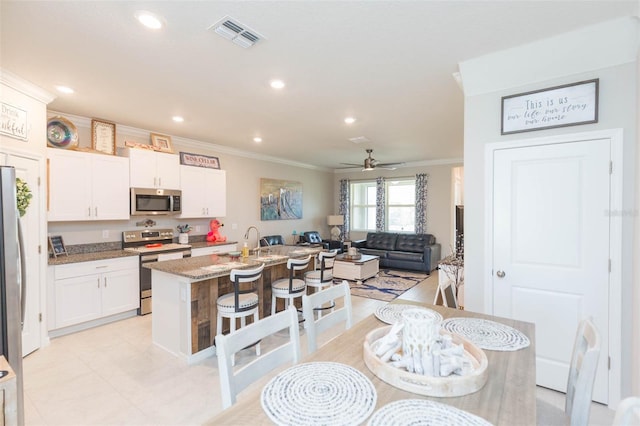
{"x": 551, "y": 248}
{"x": 27, "y": 170}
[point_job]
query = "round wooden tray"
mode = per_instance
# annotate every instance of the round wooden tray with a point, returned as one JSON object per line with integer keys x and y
{"x": 426, "y": 385}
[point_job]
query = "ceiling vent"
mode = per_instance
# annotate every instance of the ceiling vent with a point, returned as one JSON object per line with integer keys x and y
{"x": 237, "y": 32}
{"x": 359, "y": 139}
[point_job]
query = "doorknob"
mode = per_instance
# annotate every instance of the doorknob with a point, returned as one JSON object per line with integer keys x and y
{"x": 500, "y": 274}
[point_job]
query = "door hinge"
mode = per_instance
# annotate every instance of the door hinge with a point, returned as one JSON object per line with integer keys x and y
{"x": 38, "y": 180}
{"x": 40, "y": 317}
{"x": 39, "y": 249}
{"x": 610, "y": 167}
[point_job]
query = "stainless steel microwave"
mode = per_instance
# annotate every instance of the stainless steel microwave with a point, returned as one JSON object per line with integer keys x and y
{"x": 149, "y": 201}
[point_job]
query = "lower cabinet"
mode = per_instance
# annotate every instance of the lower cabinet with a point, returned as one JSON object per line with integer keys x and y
{"x": 91, "y": 290}
{"x": 221, "y": 248}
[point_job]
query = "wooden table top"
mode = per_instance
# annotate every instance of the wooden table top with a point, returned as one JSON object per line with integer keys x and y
{"x": 508, "y": 397}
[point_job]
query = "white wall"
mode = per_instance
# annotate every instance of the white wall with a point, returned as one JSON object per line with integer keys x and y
{"x": 611, "y": 49}
{"x": 440, "y": 220}
{"x": 243, "y": 193}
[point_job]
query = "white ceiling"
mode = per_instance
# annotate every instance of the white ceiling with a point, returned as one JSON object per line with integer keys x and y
{"x": 389, "y": 64}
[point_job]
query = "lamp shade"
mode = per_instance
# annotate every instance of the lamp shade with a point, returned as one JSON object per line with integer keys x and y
{"x": 334, "y": 220}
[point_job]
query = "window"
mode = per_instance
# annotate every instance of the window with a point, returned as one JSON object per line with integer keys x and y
{"x": 363, "y": 206}
{"x": 400, "y": 205}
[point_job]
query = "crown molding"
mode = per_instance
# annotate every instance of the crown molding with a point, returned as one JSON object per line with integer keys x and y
{"x": 25, "y": 87}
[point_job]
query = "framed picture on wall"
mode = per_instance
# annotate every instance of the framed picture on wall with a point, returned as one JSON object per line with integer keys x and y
{"x": 161, "y": 142}
{"x": 103, "y": 136}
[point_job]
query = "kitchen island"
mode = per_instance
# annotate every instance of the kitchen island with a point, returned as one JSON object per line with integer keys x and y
{"x": 185, "y": 291}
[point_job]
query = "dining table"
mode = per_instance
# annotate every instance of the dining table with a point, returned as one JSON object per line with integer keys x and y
{"x": 507, "y": 398}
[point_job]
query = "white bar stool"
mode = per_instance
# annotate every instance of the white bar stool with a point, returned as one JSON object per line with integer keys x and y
{"x": 243, "y": 302}
{"x": 323, "y": 277}
{"x": 289, "y": 288}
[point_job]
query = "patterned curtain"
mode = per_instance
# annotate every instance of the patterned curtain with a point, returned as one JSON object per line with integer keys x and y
{"x": 421, "y": 203}
{"x": 380, "y": 204}
{"x": 344, "y": 208}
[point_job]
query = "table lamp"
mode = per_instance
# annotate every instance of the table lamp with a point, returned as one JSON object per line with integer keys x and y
{"x": 335, "y": 221}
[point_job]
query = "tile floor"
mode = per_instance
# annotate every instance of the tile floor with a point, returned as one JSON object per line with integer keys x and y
{"x": 114, "y": 375}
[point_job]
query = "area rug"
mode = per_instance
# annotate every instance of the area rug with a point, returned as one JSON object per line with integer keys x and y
{"x": 388, "y": 285}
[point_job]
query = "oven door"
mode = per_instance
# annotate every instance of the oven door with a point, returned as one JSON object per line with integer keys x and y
{"x": 145, "y": 276}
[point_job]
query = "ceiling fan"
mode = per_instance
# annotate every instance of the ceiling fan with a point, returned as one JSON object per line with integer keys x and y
{"x": 371, "y": 163}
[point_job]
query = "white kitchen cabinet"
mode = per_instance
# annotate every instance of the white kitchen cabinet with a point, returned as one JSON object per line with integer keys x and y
{"x": 151, "y": 169}
{"x": 220, "y": 248}
{"x": 204, "y": 192}
{"x": 85, "y": 186}
{"x": 91, "y": 290}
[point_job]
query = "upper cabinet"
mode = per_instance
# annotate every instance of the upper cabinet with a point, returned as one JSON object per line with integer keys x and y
{"x": 151, "y": 169}
{"x": 86, "y": 186}
{"x": 204, "y": 192}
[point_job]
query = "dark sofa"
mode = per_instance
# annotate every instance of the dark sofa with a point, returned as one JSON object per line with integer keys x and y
{"x": 417, "y": 252}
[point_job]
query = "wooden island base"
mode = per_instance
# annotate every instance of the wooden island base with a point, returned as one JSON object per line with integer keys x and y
{"x": 185, "y": 291}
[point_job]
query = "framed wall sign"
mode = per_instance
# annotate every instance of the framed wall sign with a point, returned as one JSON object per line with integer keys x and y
{"x": 560, "y": 106}
{"x": 199, "y": 160}
{"x": 161, "y": 142}
{"x": 103, "y": 136}
{"x": 13, "y": 121}
{"x": 57, "y": 246}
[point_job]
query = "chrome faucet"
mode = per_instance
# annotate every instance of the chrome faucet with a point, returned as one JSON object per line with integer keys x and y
{"x": 256, "y": 250}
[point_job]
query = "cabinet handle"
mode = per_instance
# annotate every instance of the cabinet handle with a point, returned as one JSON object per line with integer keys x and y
{"x": 155, "y": 181}
{"x": 96, "y": 211}
{"x": 160, "y": 181}
{"x": 89, "y": 211}
{"x": 105, "y": 282}
{"x": 98, "y": 282}
{"x": 103, "y": 266}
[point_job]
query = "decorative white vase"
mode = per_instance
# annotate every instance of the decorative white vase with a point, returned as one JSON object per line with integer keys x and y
{"x": 183, "y": 238}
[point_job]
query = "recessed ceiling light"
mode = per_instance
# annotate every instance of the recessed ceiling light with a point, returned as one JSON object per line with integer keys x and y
{"x": 177, "y": 119}
{"x": 277, "y": 84}
{"x": 350, "y": 120}
{"x": 149, "y": 20}
{"x": 257, "y": 139}
{"x": 64, "y": 89}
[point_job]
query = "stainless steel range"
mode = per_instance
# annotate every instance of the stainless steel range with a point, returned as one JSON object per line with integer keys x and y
{"x": 153, "y": 245}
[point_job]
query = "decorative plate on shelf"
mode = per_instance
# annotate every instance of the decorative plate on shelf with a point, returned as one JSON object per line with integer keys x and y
{"x": 61, "y": 133}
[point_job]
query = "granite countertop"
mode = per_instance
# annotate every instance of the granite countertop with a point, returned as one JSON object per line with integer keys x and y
{"x": 200, "y": 244}
{"x": 88, "y": 257}
{"x": 218, "y": 265}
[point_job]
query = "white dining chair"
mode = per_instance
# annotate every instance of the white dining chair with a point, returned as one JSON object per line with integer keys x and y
{"x": 233, "y": 381}
{"x": 310, "y": 302}
{"x": 582, "y": 374}
{"x": 628, "y": 412}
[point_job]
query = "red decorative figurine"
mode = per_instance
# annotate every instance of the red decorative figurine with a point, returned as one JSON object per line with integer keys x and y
{"x": 214, "y": 234}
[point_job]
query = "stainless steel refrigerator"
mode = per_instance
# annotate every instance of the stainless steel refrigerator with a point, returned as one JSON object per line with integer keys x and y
{"x": 12, "y": 285}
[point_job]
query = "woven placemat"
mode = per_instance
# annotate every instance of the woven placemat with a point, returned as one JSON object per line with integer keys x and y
{"x": 423, "y": 412}
{"x": 487, "y": 334}
{"x": 391, "y": 313}
{"x": 319, "y": 393}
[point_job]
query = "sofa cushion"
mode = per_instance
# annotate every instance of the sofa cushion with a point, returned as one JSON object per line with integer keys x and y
{"x": 405, "y": 255}
{"x": 373, "y": 252}
{"x": 415, "y": 243}
{"x": 381, "y": 240}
